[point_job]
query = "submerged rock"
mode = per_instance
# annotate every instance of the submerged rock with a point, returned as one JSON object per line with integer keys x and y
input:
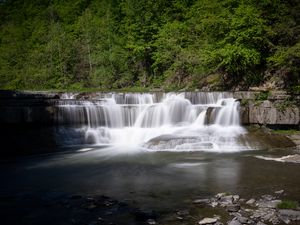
{"x": 208, "y": 221}
{"x": 184, "y": 212}
{"x": 151, "y": 221}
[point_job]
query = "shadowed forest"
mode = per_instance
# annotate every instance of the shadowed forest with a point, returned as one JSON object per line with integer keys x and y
{"x": 116, "y": 44}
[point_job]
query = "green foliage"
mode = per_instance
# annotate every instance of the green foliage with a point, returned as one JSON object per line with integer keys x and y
{"x": 118, "y": 44}
{"x": 262, "y": 96}
{"x": 288, "y": 103}
{"x": 287, "y": 204}
{"x": 244, "y": 102}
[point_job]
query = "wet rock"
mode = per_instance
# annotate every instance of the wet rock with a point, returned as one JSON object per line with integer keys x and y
{"x": 279, "y": 192}
{"x": 268, "y": 204}
{"x": 271, "y": 216}
{"x": 243, "y": 219}
{"x": 73, "y": 197}
{"x": 108, "y": 203}
{"x": 226, "y": 199}
{"x": 218, "y": 223}
{"x": 143, "y": 215}
{"x": 208, "y": 221}
{"x": 249, "y": 210}
{"x": 90, "y": 199}
{"x": 235, "y": 214}
{"x": 289, "y": 214}
{"x": 284, "y": 219}
{"x": 234, "y": 222}
{"x": 232, "y": 208}
{"x": 201, "y": 201}
{"x": 179, "y": 218}
{"x": 268, "y": 197}
{"x": 275, "y": 220}
{"x": 214, "y": 204}
{"x": 261, "y": 223}
{"x": 250, "y": 201}
{"x": 220, "y": 195}
{"x": 90, "y": 206}
{"x": 182, "y": 212}
{"x": 93, "y": 223}
{"x": 242, "y": 200}
{"x": 151, "y": 221}
{"x": 235, "y": 198}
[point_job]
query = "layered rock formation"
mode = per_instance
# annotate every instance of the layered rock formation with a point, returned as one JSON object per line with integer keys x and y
{"x": 274, "y": 109}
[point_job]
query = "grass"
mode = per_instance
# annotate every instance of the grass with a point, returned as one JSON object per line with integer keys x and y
{"x": 288, "y": 204}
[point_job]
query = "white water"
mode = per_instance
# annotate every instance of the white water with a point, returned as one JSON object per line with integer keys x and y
{"x": 170, "y": 122}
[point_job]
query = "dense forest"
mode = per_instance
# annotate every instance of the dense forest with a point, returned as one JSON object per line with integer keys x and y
{"x": 168, "y": 44}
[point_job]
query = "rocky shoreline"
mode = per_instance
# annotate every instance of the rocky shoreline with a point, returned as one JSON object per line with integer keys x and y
{"x": 263, "y": 210}
{"x": 221, "y": 209}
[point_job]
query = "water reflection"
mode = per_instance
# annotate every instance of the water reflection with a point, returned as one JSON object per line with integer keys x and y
{"x": 150, "y": 179}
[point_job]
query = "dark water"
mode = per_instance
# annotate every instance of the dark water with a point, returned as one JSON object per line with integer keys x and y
{"x": 156, "y": 180}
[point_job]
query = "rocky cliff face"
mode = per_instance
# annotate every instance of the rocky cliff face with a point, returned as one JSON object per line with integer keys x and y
{"x": 269, "y": 108}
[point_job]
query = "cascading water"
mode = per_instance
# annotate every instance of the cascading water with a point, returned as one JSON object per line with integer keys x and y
{"x": 171, "y": 122}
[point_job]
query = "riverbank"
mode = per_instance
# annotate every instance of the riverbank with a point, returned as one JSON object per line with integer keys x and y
{"x": 223, "y": 208}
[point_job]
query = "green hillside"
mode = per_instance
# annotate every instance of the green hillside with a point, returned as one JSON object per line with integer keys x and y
{"x": 117, "y": 44}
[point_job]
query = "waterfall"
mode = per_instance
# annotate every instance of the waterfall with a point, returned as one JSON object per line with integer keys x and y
{"x": 187, "y": 121}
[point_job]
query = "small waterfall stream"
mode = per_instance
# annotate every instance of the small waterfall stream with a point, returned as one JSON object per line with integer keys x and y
{"x": 191, "y": 121}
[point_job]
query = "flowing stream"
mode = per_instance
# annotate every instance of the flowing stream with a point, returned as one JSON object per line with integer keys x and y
{"x": 150, "y": 151}
{"x": 170, "y": 122}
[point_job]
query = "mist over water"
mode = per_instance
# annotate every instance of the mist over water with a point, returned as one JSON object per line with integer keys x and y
{"x": 152, "y": 121}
